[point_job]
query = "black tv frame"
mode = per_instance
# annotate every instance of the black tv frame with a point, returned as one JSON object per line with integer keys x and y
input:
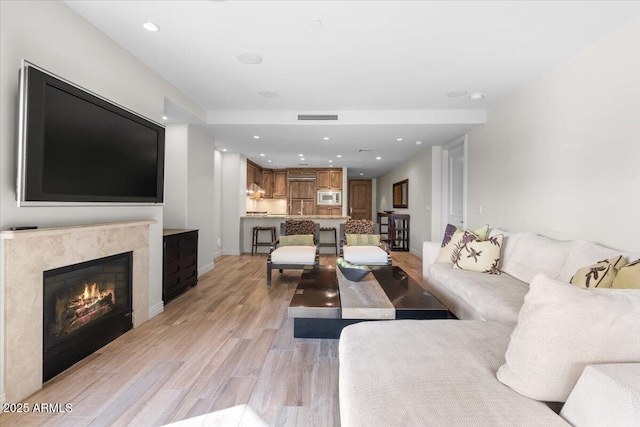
{"x": 32, "y": 136}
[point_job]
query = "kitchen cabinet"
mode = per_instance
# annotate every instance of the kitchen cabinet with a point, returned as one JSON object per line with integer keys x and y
{"x": 329, "y": 179}
{"x": 267, "y": 183}
{"x": 302, "y": 190}
{"x": 280, "y": 184}
{"x": 180, "y": 261}
{"x": 302, "y": 207}
{"x": 329, "y": 210}
{"x": 251, "y": 174}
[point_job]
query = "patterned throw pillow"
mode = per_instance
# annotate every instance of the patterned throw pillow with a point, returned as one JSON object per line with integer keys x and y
{"x": 359, "y": 226}
{"x": 628, "y": 276}
{"x": 363, "y": 239}
{"x": 600, "y": 274}
{"x": 296, "y": 226}
{"x": 473, "y": 255}
{"x": 452, "y": 236}
{"x": 297, "y": 240}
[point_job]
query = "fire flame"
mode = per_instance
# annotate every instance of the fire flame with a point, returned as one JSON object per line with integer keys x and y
{"x": 90, "y": 294}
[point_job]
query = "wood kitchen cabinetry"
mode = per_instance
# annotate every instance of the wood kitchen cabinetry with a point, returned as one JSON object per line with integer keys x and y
{"x": 180, "y": 261}
{"x": 329, "y": 210}
{"x": 329, "y": 179}
{"x": 280, "y": 184}
{"x": 267, "y": 183}
{"x": 302, "y": 190}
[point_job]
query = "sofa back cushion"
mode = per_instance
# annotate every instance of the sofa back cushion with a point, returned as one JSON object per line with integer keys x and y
{"x": 532, "y": 254}
{"x": 585, "y": 253}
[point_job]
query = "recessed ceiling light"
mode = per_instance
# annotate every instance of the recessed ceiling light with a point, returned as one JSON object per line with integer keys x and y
{"x": 330, "y": 161}
{"x": 476, "y": 96}
{"x": 361, "y": 174}
{"x": 457, "y": 93}
{"x": 326, "y": 138}
{"x": 316, "y": 23}
{"x": 262, "y": 154}
{"x": 378, "y": 158}
{"x": 224, "y": 149}
{"x": 300, "y": 155}
{"x": 302, "y": 158}
{"x": 418, "y": 142}
{"x": 150, "y": 26}
{"x": 164, "y": 117}
{"x": 249, "y": 58}
{"x": 330, "y": 166}
{"x": 339, "y": 155}
{"x": 398, "y": 139}
{"x": 268, "y": 93}
{"x": 268, "y": 161}
{"x": 256, "y": 137}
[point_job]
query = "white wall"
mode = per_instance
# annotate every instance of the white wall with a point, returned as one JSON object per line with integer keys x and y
{"x": 234, "y": 178}
{"x": 217, "y": 203}
{"x": 561, "y": 156}
{"x": 418, "y": 171}
{"x": 175, "y": 176}
{"x": 54, "y": 37}
{"x": 200, "y": 198}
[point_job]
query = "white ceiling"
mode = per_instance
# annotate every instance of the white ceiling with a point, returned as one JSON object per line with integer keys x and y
{"x": 384, "y": 66}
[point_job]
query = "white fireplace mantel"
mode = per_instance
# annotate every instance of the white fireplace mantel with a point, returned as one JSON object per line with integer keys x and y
{"x": 26, "y": 254}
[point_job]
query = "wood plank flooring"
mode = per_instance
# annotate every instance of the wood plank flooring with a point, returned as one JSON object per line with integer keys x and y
{"x": 223, "y": 352}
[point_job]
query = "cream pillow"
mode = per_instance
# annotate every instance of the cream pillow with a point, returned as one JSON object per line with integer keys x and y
{"x": 561, "y": 329}
{"x": 600, "y": 274}
{"x": 297, "y": 240}
{"x": 363, "y": 239}
{"x": 452, "y": 236}
{"x": 483, "y": 257}
{"x": 628, "y": 276}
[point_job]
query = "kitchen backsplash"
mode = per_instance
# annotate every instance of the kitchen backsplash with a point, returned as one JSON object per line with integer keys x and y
{"x": 270, "y": 206}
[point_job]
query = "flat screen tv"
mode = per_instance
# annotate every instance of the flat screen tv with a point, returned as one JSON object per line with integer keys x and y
{"x": 79, "y": 148}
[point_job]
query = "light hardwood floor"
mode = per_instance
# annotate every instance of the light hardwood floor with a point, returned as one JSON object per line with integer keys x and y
{"x": 223, "y": 348}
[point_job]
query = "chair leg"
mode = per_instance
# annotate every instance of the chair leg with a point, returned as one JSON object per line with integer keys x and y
{"x": 254, "y": 239}
{"x": 335, "y": 239}
{"x": 268, "y": 274}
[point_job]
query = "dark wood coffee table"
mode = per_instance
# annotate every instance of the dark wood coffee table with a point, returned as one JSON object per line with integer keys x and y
{"x": 317, "y": 311}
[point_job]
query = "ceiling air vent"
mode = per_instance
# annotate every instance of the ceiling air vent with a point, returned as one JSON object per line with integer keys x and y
{"x": 317, "y": 117}
{"x": 364, "y": 150}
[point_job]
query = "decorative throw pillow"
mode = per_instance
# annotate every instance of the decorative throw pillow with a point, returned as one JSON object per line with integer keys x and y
{"x": 359, "y": 226}
{"x": 628, "y": 276}
{"x": 474, "y": 255}
{"x": 297, "y": 240}
{"x": 598, "y": 275}
{"x": 452, "y": 236}
{"x": 561, "y": 329}
{"x": 363, "y": 239}
{"x": 299, "y": 226}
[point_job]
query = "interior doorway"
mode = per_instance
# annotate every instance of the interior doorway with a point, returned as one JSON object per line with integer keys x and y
{"x": 454, "y": 183}
{"x": 360, "y": 195}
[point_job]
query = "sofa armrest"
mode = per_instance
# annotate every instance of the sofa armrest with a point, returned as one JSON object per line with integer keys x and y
{"x": 606, "y": 394}
{"x": 430, "y": 252}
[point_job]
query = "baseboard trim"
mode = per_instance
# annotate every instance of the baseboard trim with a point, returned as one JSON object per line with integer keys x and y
{"x": 230, "y": 252}
{"x": 217, "y": 254}
{"x": 156, "y": 309}
{"x": 416, "y": 252}
{"x": 3, "y": 398}
{"x": 207, "y": 268}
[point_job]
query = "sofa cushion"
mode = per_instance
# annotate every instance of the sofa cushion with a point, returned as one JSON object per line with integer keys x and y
{"x": 509, "y": 244}
{"x": 294, "y": 255}
{"x": 584, "y": 253}
{"x": 494, "y": 297}
{"x": 483, "y": 257}
{"x": 598, "y": 275}
{"x": 561, "y": 329}
{"x": 628, "y": 277}
{"x": 430, "y": 372}
{"x": 535, "y": 254}
{"x": 369, "y": 255}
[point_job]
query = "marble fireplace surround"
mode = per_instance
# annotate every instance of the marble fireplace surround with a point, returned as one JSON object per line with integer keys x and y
{"x": 26, "y": 255}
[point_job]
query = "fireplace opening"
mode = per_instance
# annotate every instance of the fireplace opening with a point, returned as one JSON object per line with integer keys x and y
{"x": 86, "y": 306}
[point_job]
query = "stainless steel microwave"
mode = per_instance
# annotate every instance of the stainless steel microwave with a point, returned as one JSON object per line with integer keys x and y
{"x": 326, "y": 197}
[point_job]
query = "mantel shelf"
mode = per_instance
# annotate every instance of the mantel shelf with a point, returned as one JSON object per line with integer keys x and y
{"x": 52, "y": 231}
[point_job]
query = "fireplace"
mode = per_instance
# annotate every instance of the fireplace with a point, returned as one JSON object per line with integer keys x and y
{"x": 86, "y": 306}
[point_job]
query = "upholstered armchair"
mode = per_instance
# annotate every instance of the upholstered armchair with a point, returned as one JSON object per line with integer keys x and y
{"x": 296, "y": 248}
{"x": 359, "y": 243}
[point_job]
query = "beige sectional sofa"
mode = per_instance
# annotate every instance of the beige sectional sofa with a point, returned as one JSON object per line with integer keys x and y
{"x": 443, "y": 373}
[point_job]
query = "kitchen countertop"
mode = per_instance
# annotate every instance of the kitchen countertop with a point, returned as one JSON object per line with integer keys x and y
{"x": 282, "y": 216}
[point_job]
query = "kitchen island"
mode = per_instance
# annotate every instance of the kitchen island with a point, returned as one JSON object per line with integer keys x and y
{"x": 270, "y": 220}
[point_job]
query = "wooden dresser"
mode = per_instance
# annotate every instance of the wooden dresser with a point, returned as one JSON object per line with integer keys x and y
{"x": 180, "y": 261}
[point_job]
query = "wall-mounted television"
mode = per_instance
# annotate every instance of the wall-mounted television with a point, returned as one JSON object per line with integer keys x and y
{"x": 78, "y": 148}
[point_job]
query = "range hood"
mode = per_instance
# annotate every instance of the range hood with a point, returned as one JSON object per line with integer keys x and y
{"x": 255, "y": 192}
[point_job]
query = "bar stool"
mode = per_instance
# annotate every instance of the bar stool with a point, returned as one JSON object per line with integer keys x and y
{"x": 256, "y": 243}
{"x": 335, "y": 238}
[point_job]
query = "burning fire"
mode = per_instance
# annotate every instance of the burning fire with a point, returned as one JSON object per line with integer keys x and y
{"x": 89, "y": 296}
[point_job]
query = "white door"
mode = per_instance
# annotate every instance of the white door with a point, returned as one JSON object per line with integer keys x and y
{"x": 455, "y": 194}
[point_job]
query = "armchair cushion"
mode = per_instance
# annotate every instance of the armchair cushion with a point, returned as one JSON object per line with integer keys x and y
{"x": 363, "y": 239}
{"x": 294, "y": 255}
{"x": 297, "y": 240}
{"x": 368, "y": 255}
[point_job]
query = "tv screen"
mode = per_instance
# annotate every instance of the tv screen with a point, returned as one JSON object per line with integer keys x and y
{"x": 80, "y": 148}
